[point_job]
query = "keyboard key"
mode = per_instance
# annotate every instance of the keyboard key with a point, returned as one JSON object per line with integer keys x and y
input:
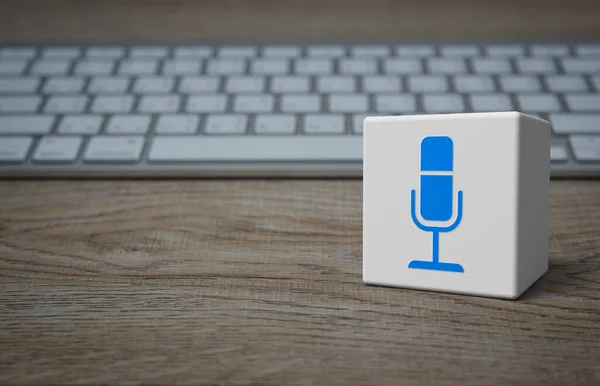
{"x": 17, "y": 52}
{"x": 427, "y": 84}
{"x": 149, "y": 52}
{"x": 326, "y": 51}
{"x": 380, "y": 84}
{"x": 19, "y": 104}
{"x": 583, "y": 102}
{"x": 473, "y": 83}
{"x": 564, "y": 83}
{"x": 290, "y": 84}
{"x": 490, "y": 102}
{"x": 549, "y": 50}
{"x": 226, "y": 124}
{"x": 259, "y": 103}
{"x": 459, "y": 50}
{"x": 402, "y": 66}
{"x": 105, "y": 52}
{"x": 181, "y": 67}
{"x": 558, "y": 153}
{"x": 336, "y": 83}
{"x": 237, "y": 52}
{"x": 66, "y": 104}
{"x": 256, "y": 148}
{"x": 138, "y": 67}
{"x": 491, "y": 65}
{"x": 275, "y": 124}
{"x": 13, "y": 85}
{"x": 206, "y": 103}
{"x": 193, "y": 52}
{"x": 358, "y": 66}
{"x": 358, "y": 123}
{"x": 324, "y": 124}
{"x": 536, "y": 65}
{"x": 370, "y": 51}
{"x": 177, "y": 124}
{"x": 446, "y": 66}
{"x": 575, "y": 123}
{"x": 108, "y": 85}
{"x": 14, "y": 149}
{"x": 80, "y": 124}
{"x": 128, "y": 124}
{"x": 583, "y": 66}
{"x": 159, "y": 103}
{"x": 443, "y": 103}
{"x": 588, "y": 49}
{"x": 57, "y": 149}
{"x": 393, "y": 104}
{"x": 281, "y": 51}
{"x": 585, "y": 147}
{"x": 505, "y": 50}
{"x": 25, "y": 124}
{"x": 244, "y": 84}
{"x": 199, "y": 84}
{"x": 50, "y": 67}
{"x": 269, "y": 66}
{"x": 415, "y": 50}
{"x": 348, "y": 103}
{"x": 112, "y": 104}
{"x": 94, "y": 67}
{"x": 114, "y": 149}
{"x": 153, "y": 84}
{"x": 12, "y": 67}
{"x": 308, "y": 103}
{"x": 314, "y": 66}
{"x": 541, "y": 103}
{"x": 63, "y": 85}
{"x": 225, "y": 66}
{"x": 520, "y": 83}
{"x": 596, "y": 81}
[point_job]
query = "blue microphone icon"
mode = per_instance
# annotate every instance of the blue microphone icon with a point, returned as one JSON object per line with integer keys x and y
{"x": 436, "y": 198}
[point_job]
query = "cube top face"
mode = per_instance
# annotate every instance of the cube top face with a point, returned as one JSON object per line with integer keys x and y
{"x": 440, "y": 202}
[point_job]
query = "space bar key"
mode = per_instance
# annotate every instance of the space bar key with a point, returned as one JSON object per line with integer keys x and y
{"x": 256, "y": 148}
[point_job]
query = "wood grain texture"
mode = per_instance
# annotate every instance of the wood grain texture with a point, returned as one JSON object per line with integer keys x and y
{"x": 259, "y": 282}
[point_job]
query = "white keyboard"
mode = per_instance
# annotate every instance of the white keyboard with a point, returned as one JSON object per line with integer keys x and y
{"x": 273, "y": 110}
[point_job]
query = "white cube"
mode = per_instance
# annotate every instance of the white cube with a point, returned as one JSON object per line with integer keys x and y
{"x": 456, "y": 203}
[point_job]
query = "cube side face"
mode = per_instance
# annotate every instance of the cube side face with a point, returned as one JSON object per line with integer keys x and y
{"x": 484, "y": 167}
{"x": 534, "y": 202}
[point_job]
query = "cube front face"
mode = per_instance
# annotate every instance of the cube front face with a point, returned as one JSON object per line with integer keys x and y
{"x": 416, "y": 232}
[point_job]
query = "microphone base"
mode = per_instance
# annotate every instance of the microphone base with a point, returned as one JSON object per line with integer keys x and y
{"x": 435, "y": 266}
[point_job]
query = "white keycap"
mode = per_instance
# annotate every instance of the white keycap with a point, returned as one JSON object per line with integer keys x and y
{"x": 94, "y": 67}
{"x": 226, "y": 124}
{"x": 159, "y": 103}
{"x": 326, "y": 51}
{"x": 112, "y": 104}
{"x": 80, "y": 124}
{"x": 314, "y": 66}
{"x": 490, "y": 102}
{"x": 105, "y": 52}
{"x": 108, "y": 85}
{"x": 519, "y": 83}
{"x": 290, "y": 84}
{"x": 491, "y": 65}
{"x": 583, "y": 65}
{"x": 549, "y": 50}
{"x": 402, "y": 66}
{"x": 536, "y": 65}
{"x": 177, "y": 124}
{"x": 370, "y": 51}
{"x": 13, "y": 85}
{"x": 50, "y": 67}
{"x": 443, "y": 104}
{"x": 17, "y": 52}
{"x": 281, "y": 51}
{"x": 275, "y": 124}
{"x": 66, "y": 104}
{"x": 257, "y": 148}
{"x": 199, "y": 84}
{"x": 393, "y": 104}
{"x": 61, "y": 52}
{"x": 427, "y": 84}
{"x": 63, "y": 85}
{"x": 588, "y": 49}
{"x": 459, "y": 50}
{"x": 14, "y": 149}
{"x": 575, "y": 123}
{"x": 583, "y": 102}
{"x": 308, "y": 103}
{"x": 114, "y": 148}
{"x": 138, "y": 67}
{"x": 206, "y": 103}
{"x": 336, "y": 83}
{"x": 415, "y": 50}
{"x": 237, "y": 51}
{"x": 19, "y": 104}
{"x": 541, "y": 103}
{"x": 153, "y": 84}
{"x": 225, "y": 66}
{"x": 181, "y": 67}
{"x": 57, "y": 149}
{"x": 358, "y": 66}
{"x": 25, "y": 124}
{"x": 563, "y": 83}
{"x": 349, "y": 103}
{"x": 505, "y": 50}
{"x": 379, "y": 83}
{"x": 358, "y": 122}
{"x": 259, "y": 103}
{"x": 269, "y": 66}
{"x": 12, "y": 66}
{"x": 128, "y": 124}
{"x": 473, "y": 83}
{"x": 446, "y": 66}
{"x": 586, "y": 147}
{"x": 149, "y": 52}
{"x": 558, "y": 153}
{"x": 244, "y": 84}
{"x": 323, "y": 124}
{"x": 193, "y": 52}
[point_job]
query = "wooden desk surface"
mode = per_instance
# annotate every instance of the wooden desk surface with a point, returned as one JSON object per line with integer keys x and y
{"x": 259, "y": 281}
